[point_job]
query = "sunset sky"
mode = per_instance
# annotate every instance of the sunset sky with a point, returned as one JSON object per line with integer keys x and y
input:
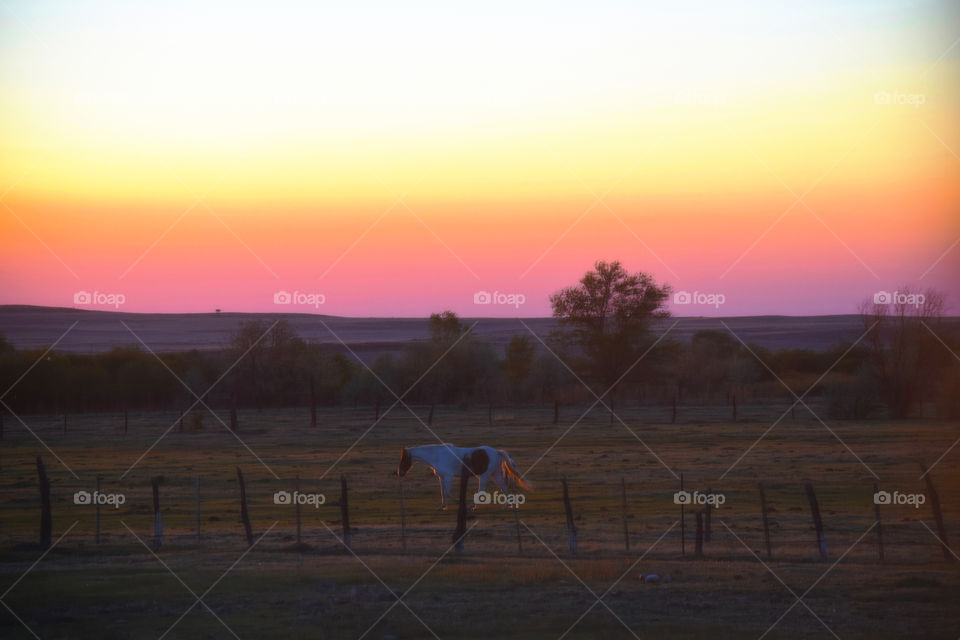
{"x": 397, "y": 160}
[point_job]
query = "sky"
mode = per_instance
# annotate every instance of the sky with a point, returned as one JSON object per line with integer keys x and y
{"x": 378, "y": 160}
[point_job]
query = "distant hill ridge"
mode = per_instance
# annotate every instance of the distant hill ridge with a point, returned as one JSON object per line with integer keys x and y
{"x": 30, "y": 327}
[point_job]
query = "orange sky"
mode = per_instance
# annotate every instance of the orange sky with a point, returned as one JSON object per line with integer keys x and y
{"x": 214, "y": 177}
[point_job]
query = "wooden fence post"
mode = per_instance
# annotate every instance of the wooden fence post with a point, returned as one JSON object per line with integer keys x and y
{"x": 96, "y": 515}
{"x": 313, "y": 404}
{"x": 46, "y": 519}
{"x": 817, "y": 522}
{"x": 876, "y": 510}
{"x": 430, "y": 416}
{"x": 766, "y": 524}
{"x": 403, "y": 517}
{"x": 244, "y": 515}
{"x": 937, "y": 515}
{"x": 706, "y": 518}
{"x": 460, "y": 533}
{"x": 683, "y": 523}
{"x": 571, "y": 528}
{"x": 64, "y": 422}
{"x": 516, "y": 518}
{"x": 157, "y": 518}
{"x": 197, "y": 492}
{"x": 345, "y": 509}
{"x": 623, "y": 509}
{"x": 698, "y": 544}
{"x": 297, "y": 507}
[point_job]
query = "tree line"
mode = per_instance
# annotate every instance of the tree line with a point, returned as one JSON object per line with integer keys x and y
{"x": 606, "y": 339}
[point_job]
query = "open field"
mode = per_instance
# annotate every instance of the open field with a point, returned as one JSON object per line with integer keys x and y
{"x": 37, "y": 327}
{"x": 120, "y": 590}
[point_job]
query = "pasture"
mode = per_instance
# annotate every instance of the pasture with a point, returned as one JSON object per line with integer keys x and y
{"x": 318, "y": 589}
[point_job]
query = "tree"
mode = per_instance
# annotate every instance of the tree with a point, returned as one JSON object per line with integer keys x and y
{"x": 904, "y": 349}
{"x": 608, "y": 316}
{"x": 518, "y": 362}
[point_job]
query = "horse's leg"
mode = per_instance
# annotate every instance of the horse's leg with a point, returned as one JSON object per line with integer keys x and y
{"x": 498, "y": 478}
{"x": 445, "y": 484}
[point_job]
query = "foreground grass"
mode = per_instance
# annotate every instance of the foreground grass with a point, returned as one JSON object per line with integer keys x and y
{"x": 119, "y": 589}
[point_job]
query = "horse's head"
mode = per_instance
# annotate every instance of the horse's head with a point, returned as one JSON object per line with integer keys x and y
{"x": 406, "y": 461}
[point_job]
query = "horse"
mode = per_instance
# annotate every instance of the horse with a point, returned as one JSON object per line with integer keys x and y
{"x": 446, "y": 461}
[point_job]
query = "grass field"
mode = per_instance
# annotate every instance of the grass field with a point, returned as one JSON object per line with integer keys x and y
{"x": 119, "y": 589}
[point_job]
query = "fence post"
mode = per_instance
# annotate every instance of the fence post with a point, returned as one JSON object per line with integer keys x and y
{"x": 157, "y": 518}
{"x": 673, "y": 414}
{"x": 403, "y": 516}
{"x": 126, "y": 422}
{"x": 46, "y": 519}
{"x": 698, "y": 544}
{"x": 430, "y": 416}
{"x": 313, "y": 404}
{"x": 706, "y": 518}
{"x": 197, "y": 492}
{"x": 766, "y": 524}
{"x": 460, "y": 533}
{"x": 817, "y": 522}
{"x": 297, "y": 507}
{"x": 876, "y": 510}
{"x": 683, "y": 523}
{"x": 64, "y": 422}
{"x": 556, "y": 411}
{"x": 96, "y": 516}
{"x": 244, "y": 515}
{"x": 490, "y": 414}
{"x": 516, "y": 518}
{"x": 937, "y": 515}
{"x": 345, "y": 509}
{"x": 571, "y": 528}
{"x": 623, "y": 508}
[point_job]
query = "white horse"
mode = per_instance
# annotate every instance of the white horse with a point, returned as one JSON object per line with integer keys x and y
{"x": 446, "y": 461}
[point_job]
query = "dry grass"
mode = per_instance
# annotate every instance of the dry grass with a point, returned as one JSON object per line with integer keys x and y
{"x": 117, "y": 589}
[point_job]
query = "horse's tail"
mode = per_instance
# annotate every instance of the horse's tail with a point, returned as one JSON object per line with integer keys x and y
{"x": 509, "y": 469}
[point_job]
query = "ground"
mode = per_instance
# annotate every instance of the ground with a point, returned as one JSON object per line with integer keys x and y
{"x": 120, "y": 589}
